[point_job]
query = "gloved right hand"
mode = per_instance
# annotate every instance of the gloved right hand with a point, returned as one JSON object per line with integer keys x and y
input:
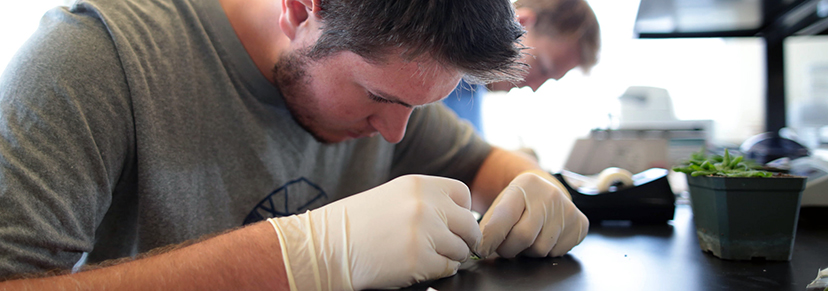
{"x": 411, "y": 229}
{"x": 533, "y": 216}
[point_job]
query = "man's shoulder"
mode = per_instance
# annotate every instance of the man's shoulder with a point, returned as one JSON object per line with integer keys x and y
{"x": 67, "y": 47}
{"x": 70, "y": 30}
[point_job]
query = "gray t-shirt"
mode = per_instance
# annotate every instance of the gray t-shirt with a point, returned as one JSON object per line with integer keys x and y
{"x": 129, "y": 125}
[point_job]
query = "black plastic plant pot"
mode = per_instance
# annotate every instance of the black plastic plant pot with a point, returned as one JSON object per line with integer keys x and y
{"x": 746, "y": 218}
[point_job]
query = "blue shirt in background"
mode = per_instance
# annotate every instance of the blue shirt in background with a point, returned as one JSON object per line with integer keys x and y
{"x": 466, "y": 101}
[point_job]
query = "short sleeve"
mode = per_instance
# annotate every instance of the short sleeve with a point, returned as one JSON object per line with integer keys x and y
{"x": 65, "y": 135}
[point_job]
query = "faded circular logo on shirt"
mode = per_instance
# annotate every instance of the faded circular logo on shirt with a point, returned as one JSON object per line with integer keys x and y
{"x": 294, "y": 197}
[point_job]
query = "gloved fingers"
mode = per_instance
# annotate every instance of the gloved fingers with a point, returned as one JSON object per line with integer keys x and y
{"x": 582, "y": 223}
{"x": 449, "y": 245}
{"x": 549, "y": 235}
{"x": 428, "y": 266}
{"x": 573, "y": 235}
{"x": 564, "y": 246}
{"x": 456, "y": 190}
{"x": 462, "y": 224}
{"x": 524, "y": 232}
{"x": 435, "y": 266}
{"x": 557, "y": 224}
{"x": 498, "y": 221}
{"x": 584, "y": 227}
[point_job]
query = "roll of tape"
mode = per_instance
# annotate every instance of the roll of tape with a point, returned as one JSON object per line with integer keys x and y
{"x": 613, "y": 177}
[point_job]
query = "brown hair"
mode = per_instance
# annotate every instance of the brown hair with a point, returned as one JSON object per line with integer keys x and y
{"x": 481, "y": 38}
{"x": 568, "y": 18}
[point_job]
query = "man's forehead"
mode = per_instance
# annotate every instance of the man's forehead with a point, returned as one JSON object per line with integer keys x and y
{"x": 419, "y": 81}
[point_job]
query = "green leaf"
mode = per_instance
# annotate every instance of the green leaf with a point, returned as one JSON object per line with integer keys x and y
{"x": 702, "y": 173}
{"x": 708, "y": 166}
{"x": 726, "y": 159}
{"x": 735, "y": 162}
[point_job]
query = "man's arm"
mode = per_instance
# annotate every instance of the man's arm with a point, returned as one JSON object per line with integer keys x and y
{"x": 245, "y": 259}
{"x": 335, "y": 247}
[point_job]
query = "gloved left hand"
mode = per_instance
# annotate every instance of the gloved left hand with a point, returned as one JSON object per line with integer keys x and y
{"x": 411, "y": 229}
{"x": 533, "y": 216}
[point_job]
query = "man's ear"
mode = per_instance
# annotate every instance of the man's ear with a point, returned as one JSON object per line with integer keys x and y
{"x": 526, "y": 17}
{"x": 295, "y": 13}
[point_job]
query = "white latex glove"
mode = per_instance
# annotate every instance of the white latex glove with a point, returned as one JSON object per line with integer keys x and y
{"x": 534, "y": 217}
{"x": 411, "y": 229}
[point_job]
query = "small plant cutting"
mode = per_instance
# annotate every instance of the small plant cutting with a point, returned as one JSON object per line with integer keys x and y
{"x": 739, "y": 211}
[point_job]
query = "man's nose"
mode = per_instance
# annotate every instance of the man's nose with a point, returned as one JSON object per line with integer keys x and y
{"x": 536, "y": 83}
{"x": 391, "y": 123}
{"x": 564, "y": 68}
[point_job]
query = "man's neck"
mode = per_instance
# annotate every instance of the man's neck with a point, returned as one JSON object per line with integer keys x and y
{"x": 256, "y": 23}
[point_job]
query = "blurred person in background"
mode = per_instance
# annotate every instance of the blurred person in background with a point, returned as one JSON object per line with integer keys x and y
{"x": 560, "y": 35}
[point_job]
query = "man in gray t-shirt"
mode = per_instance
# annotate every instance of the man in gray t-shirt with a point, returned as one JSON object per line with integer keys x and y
{"x": 131, "y": 125}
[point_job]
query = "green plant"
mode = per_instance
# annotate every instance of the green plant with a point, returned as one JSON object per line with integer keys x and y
{"x": 700, "y": 164}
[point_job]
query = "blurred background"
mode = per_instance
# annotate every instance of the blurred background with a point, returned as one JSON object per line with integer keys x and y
{"x": 718, "y": 79}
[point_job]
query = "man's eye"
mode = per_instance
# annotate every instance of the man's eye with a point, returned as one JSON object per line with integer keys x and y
{"x": 378, "y": 98}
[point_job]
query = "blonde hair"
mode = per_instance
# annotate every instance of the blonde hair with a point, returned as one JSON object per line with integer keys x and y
{"x": 569, "y": 19}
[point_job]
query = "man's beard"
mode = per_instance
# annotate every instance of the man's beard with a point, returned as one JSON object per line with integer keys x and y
{"x": 292, "y": 79}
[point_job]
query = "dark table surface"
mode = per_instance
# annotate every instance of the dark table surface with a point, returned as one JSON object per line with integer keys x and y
{"x": 623, "y": 256}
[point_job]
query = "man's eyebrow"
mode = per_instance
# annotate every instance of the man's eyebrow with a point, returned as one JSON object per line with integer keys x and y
{"x": 392, "y": 98}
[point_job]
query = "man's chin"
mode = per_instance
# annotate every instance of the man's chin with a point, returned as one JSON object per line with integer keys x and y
{"x": 328, "y": 140}
{"x": 319, "y": 135}
{"x": 338, "y": 139}
{"x": 316, "y": 134}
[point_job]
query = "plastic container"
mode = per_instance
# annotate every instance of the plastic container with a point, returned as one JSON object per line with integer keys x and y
{"x": 746, "y": 218}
